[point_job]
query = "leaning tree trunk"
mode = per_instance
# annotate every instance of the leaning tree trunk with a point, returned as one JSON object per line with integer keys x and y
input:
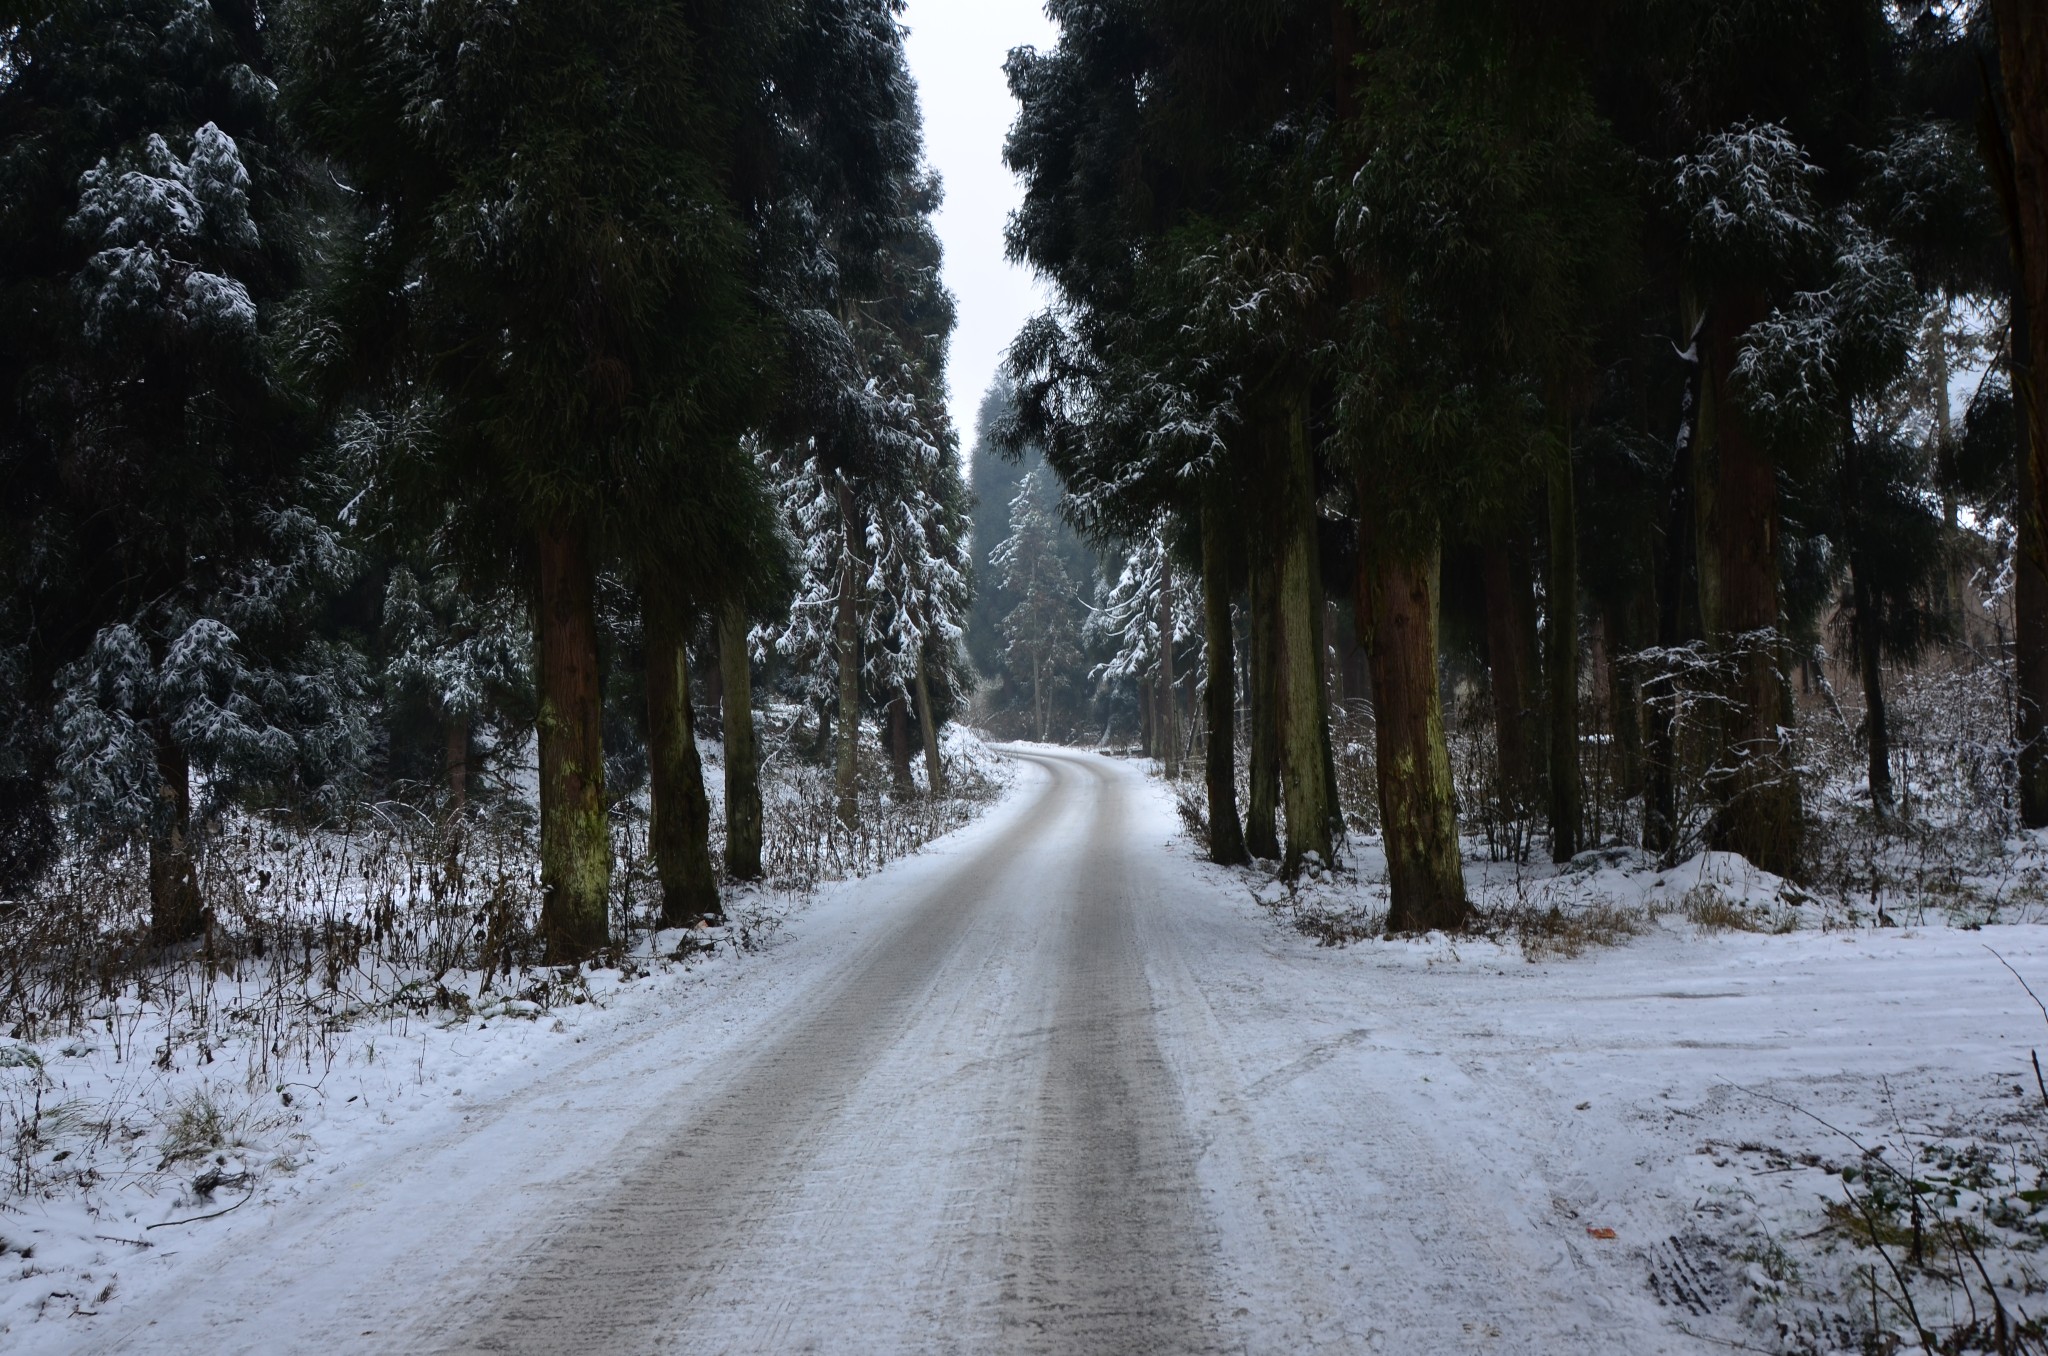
{"x": 1304, "y": 732}
{"x": 177, "y": 913}
{"x": 2017, "y": 151}
{"x": 575, "y": 839}
{"x": 1561, "y": 655}
{"x": 742, "y": 759}
{"x": 1226, "y": 833}
{"x": 846, "y": 780}
{"x": 927, "y": 726}
{"x": 1396, "y": 605}
{"x": 1262, "y": 822}
{"x": 1754, "y": 784}
{"x": 1510, "y": 627}
{"x": 680, "y": 834}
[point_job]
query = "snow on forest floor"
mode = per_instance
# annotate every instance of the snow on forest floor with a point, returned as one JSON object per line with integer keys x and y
{"x": 1695, "y": 1101}
{"x": 182, "y": 1105}
{"x": 1806, "y": 1128}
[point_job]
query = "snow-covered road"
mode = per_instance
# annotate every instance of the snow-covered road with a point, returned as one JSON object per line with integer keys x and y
{"x": 1055, "y": 1087}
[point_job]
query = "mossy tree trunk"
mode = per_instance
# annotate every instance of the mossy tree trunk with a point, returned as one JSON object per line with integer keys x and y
{"x": 1226, "y": 832}
{"x": 899, "y": 746}
{"x": 457, "y": 760}
{"x": 1396, "y": 603}
{"x": 1304, "y": 728}
{"x": 177, "y": 913}
{"x": 1758, "y": 812}
{"x": 927, "y": 726}
{"x": 575, "y": 837}
{"x": 742, "y": 757}
{"x": 1262, "y": 819}
{"x": 1561, "y": 653}
{"x": 680, "y": 834}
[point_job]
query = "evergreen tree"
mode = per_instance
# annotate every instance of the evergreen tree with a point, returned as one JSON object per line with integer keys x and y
{"x": 1042, "y": 629}
{"x": 149, "y": 235}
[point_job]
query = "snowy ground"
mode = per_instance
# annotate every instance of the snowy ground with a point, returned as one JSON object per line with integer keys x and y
{"x": 1058, "y": 1086}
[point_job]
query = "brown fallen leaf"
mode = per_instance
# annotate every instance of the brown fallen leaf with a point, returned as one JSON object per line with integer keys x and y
{"x": 1599, "y": 1233}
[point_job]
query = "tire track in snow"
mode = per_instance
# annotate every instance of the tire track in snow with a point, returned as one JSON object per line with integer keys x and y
{"x": 1114, "y": 1252}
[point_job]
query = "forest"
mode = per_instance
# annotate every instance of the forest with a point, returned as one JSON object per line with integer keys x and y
{"x": 1565, "y": 426}
{"x": 416, "y": 417}
{"x": 1457, "y": 760}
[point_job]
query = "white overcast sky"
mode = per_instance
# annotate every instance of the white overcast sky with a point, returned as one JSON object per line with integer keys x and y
{"x": 956, "y": 52}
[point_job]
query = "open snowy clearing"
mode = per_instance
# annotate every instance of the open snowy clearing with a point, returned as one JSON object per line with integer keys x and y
{"x": 1056, "y": 1086}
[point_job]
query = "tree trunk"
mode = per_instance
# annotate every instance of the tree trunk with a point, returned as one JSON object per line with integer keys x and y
{"x": 1876, "y": 729}
{"x": 1510, "y": 624}
{"x": 846, "y": 780}
{"x": 680, "y": 833}
{"x": 1304, "y": 729}
{"x": 1561, "y": 654}
{"x": 899, "y": 747}
{"x": 927, "y": 724}
{"x": 1677, "y": 594}
{"x": 1262, "y": 822}
{"x": 575, "y": 837}
{"x": 1396, "y": 605}
{"x": 177, "y": 913}
{"x": 1754, "y": 785}
{"x": 742, "y": 759}
{"x": 457, "y": 758}
{"x": 1168, "y": 707}
{"x": 2018, "y": 154}
{"x": 1226, "y": 833}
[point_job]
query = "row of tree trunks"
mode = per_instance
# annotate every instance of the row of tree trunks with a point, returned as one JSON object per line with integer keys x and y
{"x": 742, "y": 762}
{"x": 680, "y": 831}
{"x": 1754, "y": 785}
{"x": 575, "y": 837}
{"x": 1396, "y": 600}
{"x": 1219, "y": 637}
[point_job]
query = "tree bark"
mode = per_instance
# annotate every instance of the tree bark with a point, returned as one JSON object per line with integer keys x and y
{"x": 927, "y": 723}
{"x": 1561, "y": 654}
{"x": 846, "y": 780}
{"x": 742, "y": 759}
{"x": 177, "y": 913}
{"x": 899, "y": 746}
{"x": 2017, "y": 149}
{"x": 575, "y": 837}
{"x": 1262, "y": 822}
{"x": 1510, "y": 627}
{"x": 1226, "y": 832}
{"x": 1754, "y": 785}
{"x": 1304, "y": 728}
{"x": 1396, "y": 605}
{"x": 680, "y": 833}
{"x": 458, "y": 762}
{"x": 1168, "y": 708}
